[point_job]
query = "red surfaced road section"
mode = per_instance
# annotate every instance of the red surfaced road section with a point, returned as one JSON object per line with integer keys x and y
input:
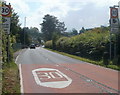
{"x": 86, "y": 78}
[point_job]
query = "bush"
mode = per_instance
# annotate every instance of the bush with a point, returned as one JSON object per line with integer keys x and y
{"x": 48, "y": 44}
{"x": 5, "y": 48}
{"x": 106, "y": 58}
{"x": 114, "y": 67}
{"x": 91, "y": 44}
{"x": 60, "y": 44}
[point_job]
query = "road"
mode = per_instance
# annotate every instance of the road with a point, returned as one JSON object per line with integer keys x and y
{"x": 43, "y": 71}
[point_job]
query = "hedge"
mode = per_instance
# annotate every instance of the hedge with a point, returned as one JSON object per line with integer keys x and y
{"x": 91, "y": 44}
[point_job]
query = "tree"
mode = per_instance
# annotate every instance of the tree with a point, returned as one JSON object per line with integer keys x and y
{"x": 70, "y": 33}
{"x": 55, "y": 37}
{"x": 34, "y": 32}
{"x": 39, "y": 40}
{"x": 82, "y": 30}
{"x": 50, "y": 25}
{"x": 15, "y": 25}
{"x": 60, "y": 27}
{"x": 74, "y": 31}
{"x": 24, "y": 37}
{"x": 35, "y": 35}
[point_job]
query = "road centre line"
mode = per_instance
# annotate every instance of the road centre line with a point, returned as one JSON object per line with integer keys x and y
{"x": 85, "y": 77}
{"x": 96, "y": 83}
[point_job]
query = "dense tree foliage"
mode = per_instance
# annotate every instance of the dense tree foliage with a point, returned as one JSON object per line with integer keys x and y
{"x": 15, "y": 25}
{"x": 23, "y": 36}
{"x": 35, "y": 35}
{"x": 70, "y": 33}
{"x": 91, "y": 44}
{"x": 31, "y": 35}
{"x": 51, "y": 25}
{"x": 82, "y": 30}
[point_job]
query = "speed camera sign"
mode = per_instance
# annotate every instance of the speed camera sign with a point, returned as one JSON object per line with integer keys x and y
{"x": 6, "y": 11}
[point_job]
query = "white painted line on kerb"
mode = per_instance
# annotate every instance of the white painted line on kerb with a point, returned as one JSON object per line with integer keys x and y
{"x": 21, "y": 80}
{"x": 20, "y": 73}
{"x": 16, "y": 59}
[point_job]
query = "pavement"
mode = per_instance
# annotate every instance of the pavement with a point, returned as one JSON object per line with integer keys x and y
{"x": 43, "y": 71}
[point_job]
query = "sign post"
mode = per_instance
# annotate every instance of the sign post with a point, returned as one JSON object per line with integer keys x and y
{"x": 114, "y": 25}
{"x": 6, "y": 21}
{"x": 0, "y": 49}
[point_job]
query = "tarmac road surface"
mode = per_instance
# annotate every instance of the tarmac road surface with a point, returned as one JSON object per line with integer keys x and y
{"x": 43, "y": 71}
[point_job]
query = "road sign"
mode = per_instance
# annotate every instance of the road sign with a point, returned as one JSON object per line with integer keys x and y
{"x": 114, "y": 22}
{"x": 6, "y": 24}
{"x": 49, "y": 77}
{"x": 114, "y": 30}
{"x": 114, "y": 12}
{"x": 6, "y": 11}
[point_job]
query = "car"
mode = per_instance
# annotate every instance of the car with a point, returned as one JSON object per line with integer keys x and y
{"x": 32, "y": 46}
{"x": 43, "y": 46}
{"x": 37, "y": 45}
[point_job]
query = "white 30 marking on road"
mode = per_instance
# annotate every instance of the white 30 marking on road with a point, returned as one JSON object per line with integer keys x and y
{"x": 49, "y": 77}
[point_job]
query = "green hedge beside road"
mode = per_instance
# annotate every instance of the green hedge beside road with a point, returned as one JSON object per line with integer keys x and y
{"x": 93, "y": 45}
{"x": 9, "y": 71}
{"x": 90, "y": 45}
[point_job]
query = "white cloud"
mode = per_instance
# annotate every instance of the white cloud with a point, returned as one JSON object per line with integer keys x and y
{"x": 67, "y": 10}
{"x": 20, "y": 6}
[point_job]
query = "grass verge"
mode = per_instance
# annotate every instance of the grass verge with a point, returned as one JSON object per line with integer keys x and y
{"x": 100, "y": 63}
{"x": 10, "y": 80}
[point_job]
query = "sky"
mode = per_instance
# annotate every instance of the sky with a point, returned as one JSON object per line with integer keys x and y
{"x": 74, "y": 13}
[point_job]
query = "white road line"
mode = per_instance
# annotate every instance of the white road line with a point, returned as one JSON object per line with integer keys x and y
{"x": 21, "y": 80}
{"x": 16, "y": 59}
{"x": 20, "y": 73}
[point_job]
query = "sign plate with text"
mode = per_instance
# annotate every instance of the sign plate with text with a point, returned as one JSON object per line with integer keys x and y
{"x": 6, "y": 24}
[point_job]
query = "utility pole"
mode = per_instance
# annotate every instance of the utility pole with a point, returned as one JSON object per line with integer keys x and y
{"x": 110, "y": 48}
{"x": 24, "y": 29}
{"x": 25, "y": 22}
